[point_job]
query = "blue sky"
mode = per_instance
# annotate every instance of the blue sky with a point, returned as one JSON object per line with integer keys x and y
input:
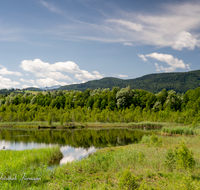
{"x": 59, "y": 42}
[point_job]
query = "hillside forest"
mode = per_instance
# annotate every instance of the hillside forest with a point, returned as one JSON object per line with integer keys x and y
{"x": 102, "y": 105}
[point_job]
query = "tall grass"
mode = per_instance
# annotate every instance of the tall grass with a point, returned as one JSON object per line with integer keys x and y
{"x": 104, "y": 169}
{"x": 148, "y": 125}
{"x": 114, "y": 167}
{"x": 26, "y": 169}
{"x": 181, "y": 130}
{"x": 15, "y": 161}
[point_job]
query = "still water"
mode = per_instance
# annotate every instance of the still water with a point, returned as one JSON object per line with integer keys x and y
{"x": 74, "y": 144}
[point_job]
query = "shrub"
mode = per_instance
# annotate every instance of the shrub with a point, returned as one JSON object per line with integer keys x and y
{"x": 184, "y": 157}
{"x": 145, "y": 139}
{"x": 179, "y": 158}
{"x": 152, "y": 140}
{"x": 127, "y": 180}
{"x": 170, "y": 160}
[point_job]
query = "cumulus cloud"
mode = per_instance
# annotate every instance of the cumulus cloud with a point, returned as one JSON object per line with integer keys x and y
{"x": 28, "y": 86}
{"x": 48, "y": 82}
{"x": 27, "y": 81}
{"x": 4, "y": 71}
{"x": 7, "y": 83}
{"x": 46, "y": 70}
{"x": 185, "y": 40}
{"x": 122, "y": 76}
{"x": 143, "y": 57}
{"x": 127, "y": 44}
{"x": 85, "y": 75}
{"x": 173, "y": 63}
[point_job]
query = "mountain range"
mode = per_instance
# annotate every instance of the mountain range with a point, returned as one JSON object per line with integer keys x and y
{"x": 178, "y": 81}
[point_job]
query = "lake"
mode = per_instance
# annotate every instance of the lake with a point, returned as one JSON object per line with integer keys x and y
{"x": 74, "y": 144}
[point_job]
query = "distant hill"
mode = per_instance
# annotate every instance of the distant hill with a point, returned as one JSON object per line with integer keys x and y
{"x": 6, "y": 91}
{"x": 179, "y": 81}
{"x": 33, "y": 89}
{"x": 51, "y": 87}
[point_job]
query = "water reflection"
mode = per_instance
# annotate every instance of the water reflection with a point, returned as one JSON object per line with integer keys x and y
{"x": 71, "y": 154}
{"x": 75, "y": 144}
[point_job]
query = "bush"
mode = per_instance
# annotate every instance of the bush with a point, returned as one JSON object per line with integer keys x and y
{"x": 170, "y": 160}
{"x": 179, "y": 158}
{"x": 145, "y": 139}
{"x": 184, "y": 157}
{"x": 127, "y": 180}
{"x": 152, "y": 140}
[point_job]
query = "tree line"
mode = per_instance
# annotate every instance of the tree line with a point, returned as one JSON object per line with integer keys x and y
{"x": 102, "y": 105}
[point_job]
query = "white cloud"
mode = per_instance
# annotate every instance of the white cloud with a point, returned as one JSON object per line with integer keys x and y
{"x": 85, "y": 75}
{"x": 170, "y": 27}
{"x": 7, "y": 83}
{"x": 97, "y": 74}
{"x": 46, "y": 70}
{"x": 173, "y": 63}
{"x": 28, "y": 81}
{"x": 4, "y": 71}
{"x": 127, "y": 44}
{"x": 142, "y": 57}
{"x": 50, "y": 6}
{"x": 48, "y": 82}
{"x": 28, "y": 86}
{"x": 54, "y": 75}
{"x": 122, "y": 76}
{"x": 185, "y": 40}
{"x": 127, "y": 24}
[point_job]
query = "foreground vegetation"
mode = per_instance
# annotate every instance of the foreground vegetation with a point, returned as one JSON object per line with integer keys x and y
{"x": 148, "y": 165}
{"x": 22, "y": 169}
{"x": 157, "y": 162}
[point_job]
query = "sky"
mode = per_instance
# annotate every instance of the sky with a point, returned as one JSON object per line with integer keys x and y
{"x": 60, "y": 42}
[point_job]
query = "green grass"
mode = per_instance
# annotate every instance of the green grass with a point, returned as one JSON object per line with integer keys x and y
{"x": 180, "y": 130}
{"x": 32, "y": 164}
{"x": 114, "y": 167}
{"x": 104, "y": 169}
{"x": 141, "y": 125}
{"x": 13, "y": 161}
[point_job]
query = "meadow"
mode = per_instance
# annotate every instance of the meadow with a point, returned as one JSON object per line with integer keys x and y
{"x": 157, "y": 162}
{"x": 23, "y": 169}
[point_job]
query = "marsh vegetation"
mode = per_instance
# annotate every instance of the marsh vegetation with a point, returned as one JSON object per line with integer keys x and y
{"x": 155, "y": 143}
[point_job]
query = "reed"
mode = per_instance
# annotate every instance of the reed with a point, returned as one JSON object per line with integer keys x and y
{"x": 15, "y": 161}
{"x": 180, "y": 130}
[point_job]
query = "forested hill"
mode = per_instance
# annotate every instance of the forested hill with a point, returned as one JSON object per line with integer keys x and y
{"x": 180, "y": 82}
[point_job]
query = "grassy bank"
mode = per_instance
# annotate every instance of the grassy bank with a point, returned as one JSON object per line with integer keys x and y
{"x": 142, "y": 166}
{"x": 136, "y": 125}
{"x": 154, "y": 163}
{"x": 26, "y": 168}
